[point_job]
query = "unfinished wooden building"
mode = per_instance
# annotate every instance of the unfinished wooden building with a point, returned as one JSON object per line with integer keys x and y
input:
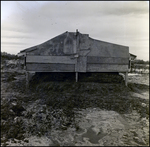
{"x": 76, "y": 52}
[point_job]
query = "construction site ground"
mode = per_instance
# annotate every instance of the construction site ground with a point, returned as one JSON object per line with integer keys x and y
{"x": 66, "y": 113}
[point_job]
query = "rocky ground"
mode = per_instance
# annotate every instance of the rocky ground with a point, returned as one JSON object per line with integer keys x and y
{"x": 63, "y": 112}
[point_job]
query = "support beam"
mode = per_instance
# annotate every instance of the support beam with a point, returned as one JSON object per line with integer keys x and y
{"x": 126, "y": 78}
{"x": 28, "y": 77}
{"x": 76, "y": 76}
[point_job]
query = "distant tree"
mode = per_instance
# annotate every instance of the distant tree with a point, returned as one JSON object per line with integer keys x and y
{"x": 138, "y": 61}
{"x": 138, "y": 64}
{"x": 7, "y": 56}
{"x": 146, "y": 62}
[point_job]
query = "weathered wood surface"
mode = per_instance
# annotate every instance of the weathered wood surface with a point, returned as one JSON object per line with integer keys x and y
{"x": 106, "y": 68}
{"x": 81, "y": 64}
{"x": 50, "y": 59}
{"x": 84, "y": 52}
{"x": 76, "y": 52}
{"x": 61, "y": 45}
{"x": 70, "y": 44}
{"x": 105, "y": 60}
{"x": 84, "y": 41}
{"x": 126, "y": 78}
{"x": 105, "y": 49}
{"x": 50, "y": 67}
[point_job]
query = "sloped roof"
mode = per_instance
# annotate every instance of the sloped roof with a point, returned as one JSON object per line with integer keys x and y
{"x": 133, "y": 55}
{"x": 47, "y": 42}
{"x": 35, "y": 47}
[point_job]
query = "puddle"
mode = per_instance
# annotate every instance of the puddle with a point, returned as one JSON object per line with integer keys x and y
{"x": 93, "y": 137}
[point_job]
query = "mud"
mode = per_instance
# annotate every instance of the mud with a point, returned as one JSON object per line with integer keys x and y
{"x": 60, "y": 113}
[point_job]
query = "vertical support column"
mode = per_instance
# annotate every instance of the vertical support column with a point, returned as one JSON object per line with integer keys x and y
{"x": 126, "y": 78}
{"x": 27, "y": 79}
{"x": 25, "y": 61}
{"x": 76, "y": 76}
{"x": 77, "y": 54}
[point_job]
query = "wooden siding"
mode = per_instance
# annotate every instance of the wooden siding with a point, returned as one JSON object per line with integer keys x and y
{"x": 84, "y": 41}
{"x": 81, "y": 64}
{"x": 50, "y": 67}
{"x": 106, "y": 68}
{"x": 76, "y": 52}
{"x": 50, "y": 59}
{"x": 105, "y": 60}
{"x": 61, "y": 45}
{"x": 104, "y": 49}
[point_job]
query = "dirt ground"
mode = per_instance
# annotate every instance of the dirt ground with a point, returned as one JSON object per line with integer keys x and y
{"x": 74, "y": 114}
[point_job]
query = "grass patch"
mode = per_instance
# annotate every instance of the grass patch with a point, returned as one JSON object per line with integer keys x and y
{"x": 61, "y": 99}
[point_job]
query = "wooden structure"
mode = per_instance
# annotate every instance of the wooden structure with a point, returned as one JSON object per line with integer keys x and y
{"x": 131, "y": 59}
{"x": 76, "y": 52}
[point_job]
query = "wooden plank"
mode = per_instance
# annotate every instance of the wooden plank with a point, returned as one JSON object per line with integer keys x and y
{"x": 105, "y": 49}
{"x": 126, "y": 78}
{"x": 106, "y": 68}
{"x": 76, "y": 76}
{"x": 84, "y": 52}
{"x": 81, "y": 64}
{"x": 105, "y": 60}
{"x": 50, "y": 67}
{"x": 84, "y": 41}
{"x": 27, "y": 79}
{"x": 50, "y": 59}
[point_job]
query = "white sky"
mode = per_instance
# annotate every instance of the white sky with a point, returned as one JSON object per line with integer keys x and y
{"x": 28, "y": 23}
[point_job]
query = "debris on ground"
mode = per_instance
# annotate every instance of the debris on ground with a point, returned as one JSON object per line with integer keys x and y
{"x": 99, "y": 110}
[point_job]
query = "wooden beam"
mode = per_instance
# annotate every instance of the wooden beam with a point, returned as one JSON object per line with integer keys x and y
{"x": 50, "y": 59}
{"x": 27, "y": 79}
{"x": 81, "y": 64}
{"x": 50, "y": 67}
{"x": 126, "y": 78}
{"x": 106, "y": 60}
{"x": 106, "y": 68}
{"x": 76, "y": 76}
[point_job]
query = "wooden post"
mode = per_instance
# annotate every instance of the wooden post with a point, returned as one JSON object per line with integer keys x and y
{"x": 27, "y": 79}
{"x": 126, "y": 78}
{"x": 130, "y": 68}
{"x": 76, "y": 76}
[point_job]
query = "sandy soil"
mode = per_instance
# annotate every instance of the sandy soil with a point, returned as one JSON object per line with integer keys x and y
{"x": 97, "y": 128}
{"x": 93, "y": 126}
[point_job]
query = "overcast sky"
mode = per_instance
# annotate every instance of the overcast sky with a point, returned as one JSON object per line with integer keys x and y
{"x": 28, "y": 23}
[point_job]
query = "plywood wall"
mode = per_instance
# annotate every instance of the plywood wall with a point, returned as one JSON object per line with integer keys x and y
{"x": 70, "y": 52}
